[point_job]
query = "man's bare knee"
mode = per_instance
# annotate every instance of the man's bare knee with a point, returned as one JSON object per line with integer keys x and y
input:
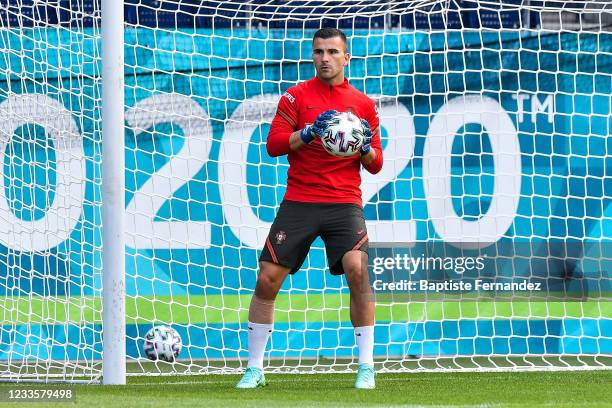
{"x": 355, "y": 265}
{"x": 271, "y": 277}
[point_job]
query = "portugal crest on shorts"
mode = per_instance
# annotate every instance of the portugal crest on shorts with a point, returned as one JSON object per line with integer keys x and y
{"x": 280, "y": 237}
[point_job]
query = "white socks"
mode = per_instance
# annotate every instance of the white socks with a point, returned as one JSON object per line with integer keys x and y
{"x": 258, "y": 338}
{"x": 259, "y": 334}
{"x": 364, "y": 337}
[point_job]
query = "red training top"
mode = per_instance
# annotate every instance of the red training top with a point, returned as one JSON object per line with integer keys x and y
{"x": 314, "y": 174}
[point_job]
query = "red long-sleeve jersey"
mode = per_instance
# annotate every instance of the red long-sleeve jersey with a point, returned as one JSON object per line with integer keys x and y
{"x": 314, "y": 174}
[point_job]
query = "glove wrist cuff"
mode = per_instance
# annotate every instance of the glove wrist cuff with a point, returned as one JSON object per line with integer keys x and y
{"x": 306, "y": 135}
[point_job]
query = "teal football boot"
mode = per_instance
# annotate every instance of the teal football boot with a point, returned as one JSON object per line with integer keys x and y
{"x": 365, "y": 377}
{"x": 253, "y": 377}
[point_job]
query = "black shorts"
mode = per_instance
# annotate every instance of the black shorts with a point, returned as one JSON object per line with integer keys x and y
{"x": 341, "y": 226}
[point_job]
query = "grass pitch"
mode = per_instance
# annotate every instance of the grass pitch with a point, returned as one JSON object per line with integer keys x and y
{"x": 493, "y": 389}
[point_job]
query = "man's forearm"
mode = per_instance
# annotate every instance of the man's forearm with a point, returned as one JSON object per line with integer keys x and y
{"x": 368, "y": 158}
{"x": 295, "y": 141}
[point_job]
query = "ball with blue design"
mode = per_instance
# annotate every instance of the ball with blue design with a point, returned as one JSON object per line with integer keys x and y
{"x": 162, "y": 343}
{"x": 344, "y": 135}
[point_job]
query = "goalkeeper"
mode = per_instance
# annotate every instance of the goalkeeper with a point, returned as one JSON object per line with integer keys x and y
{"x": 323, "y": 198}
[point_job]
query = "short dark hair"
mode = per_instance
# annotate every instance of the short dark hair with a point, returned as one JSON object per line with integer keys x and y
{"x": 329, "y": 32}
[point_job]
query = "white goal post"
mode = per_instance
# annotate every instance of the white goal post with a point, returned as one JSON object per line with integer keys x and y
{"x": 135, "y": 187}
{"x": 113, "y": 193}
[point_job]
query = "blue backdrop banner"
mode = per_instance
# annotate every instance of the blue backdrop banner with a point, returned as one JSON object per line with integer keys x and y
{"x": 527, "y": 160}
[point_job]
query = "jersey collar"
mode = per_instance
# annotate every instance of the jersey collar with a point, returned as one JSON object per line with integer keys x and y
{"x": 326, "y": 87}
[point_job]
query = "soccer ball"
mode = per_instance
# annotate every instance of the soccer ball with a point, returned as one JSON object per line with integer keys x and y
{"x": 344, "y": 135}
{"x": 162, "y": 343}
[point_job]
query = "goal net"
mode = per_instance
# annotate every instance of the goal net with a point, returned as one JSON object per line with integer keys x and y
{"x": 495, "y": 123}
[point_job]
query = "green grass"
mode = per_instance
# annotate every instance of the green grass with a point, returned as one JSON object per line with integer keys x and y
{"x": 494, "y": 389}
{"x": 332, "y": 307}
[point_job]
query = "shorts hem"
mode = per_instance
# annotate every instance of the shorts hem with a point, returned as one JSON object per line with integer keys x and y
{"x": 277, "y": 262}
{"x": 364, "y": 250}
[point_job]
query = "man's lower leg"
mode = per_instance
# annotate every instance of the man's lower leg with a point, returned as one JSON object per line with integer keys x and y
{"x": 261, "y": 320}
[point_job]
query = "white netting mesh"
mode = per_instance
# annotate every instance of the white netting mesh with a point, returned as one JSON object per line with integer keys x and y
{"x": 495, "y": 118}
{"x": 50, "y": 253}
